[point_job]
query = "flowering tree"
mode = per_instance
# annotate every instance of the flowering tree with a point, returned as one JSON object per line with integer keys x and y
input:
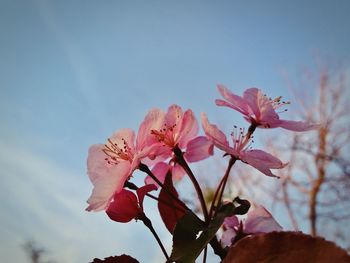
{"x": 165, "y": 145}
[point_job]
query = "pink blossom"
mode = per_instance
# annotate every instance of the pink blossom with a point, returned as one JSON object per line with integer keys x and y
{"x": 260, "y": 110}
{"x": 258, "y": 220}
{"x": 180, "y": 129}
{"x": 259, "y": 159}
{"x": 125, "y": 206}
{"x": 111, "y": 164}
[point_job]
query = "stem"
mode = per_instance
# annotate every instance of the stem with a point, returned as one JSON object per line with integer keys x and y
{"x": 148, "y": 223}
{"x": 180, "y": 160}
{"x": 212, "y": 206}
{"x": 144, "y": 168}
{"x": 205, "y": 254}
{"x": 218, "y": 250}
{"x": 223, "y": 184}
{"x": 221, "y": 187}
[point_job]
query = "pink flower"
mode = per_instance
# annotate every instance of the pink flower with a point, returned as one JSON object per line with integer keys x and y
{"x": 259, "y": 159}
{"x": 179, "y": 129}
{"x": 125, "y": 206}
{"x": 260, "y": 110}
{"x": 111, "y": 164}
{"x": 259, "y": 220}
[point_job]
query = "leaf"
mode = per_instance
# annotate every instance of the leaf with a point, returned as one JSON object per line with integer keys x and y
{"x": 191, "y": 235}
{"x": 116, "y": 259}
{"x": 170, "y": 210}
{"x": 142, "y": 191}
{"x": 286, "y": 247}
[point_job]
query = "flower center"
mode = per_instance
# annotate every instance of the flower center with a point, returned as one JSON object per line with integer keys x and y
{"x": 165, "y": 135}
{"x": 240, "y": 139}
{"x": 116, "y": 153}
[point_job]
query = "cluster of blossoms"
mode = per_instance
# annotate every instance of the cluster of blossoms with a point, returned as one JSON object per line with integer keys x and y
{"x": 166, "y": 142}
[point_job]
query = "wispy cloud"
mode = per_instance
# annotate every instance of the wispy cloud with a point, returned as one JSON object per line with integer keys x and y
{"x": 42, "y": 200}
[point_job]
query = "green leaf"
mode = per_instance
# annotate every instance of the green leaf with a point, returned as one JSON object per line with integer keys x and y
{"x": 191, "y": 235}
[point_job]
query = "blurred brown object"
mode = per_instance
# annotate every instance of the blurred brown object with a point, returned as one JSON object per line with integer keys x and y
{"x": 286, "y": 247}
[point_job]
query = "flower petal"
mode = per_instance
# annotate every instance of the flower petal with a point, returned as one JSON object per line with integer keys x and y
{"x": 124, "y": 207}
{"x": 106, "y": 184}
{"x": 214, "y": 134}
{"x": 153, "y": 121}
{"x": 159, "y": 170}
{"x": 189, "y": 128}
{"x": 259, "y": 220}
{"x": 198, "y": 149}
{"x": 227, "y": 237}
{"x": 235, "y": 102}
{"x": 177, "y": 172}
{"x": 262, "y": 161}
{"x": 106, "y": 178}
{"x": 251, "y": 97}
{"x": 269, "y": 160}
{"x": 297, "y": 126}
{"x": 142, "y": 191}
{"x": 173, "y": 118}
{"x": 231, "y": 222}
{"x": 124, "y": 134}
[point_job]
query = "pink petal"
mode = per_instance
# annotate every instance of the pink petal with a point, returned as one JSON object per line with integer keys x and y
{"x": 177, "y": 172}
{"x": 159, "y": 170}
{"x": 198, "y": 149}
{"x": 142, "y": 191}
{"x": 259, "y": 220}
{"x": 124, "y": 134}
{"x": 297, "y": 126}
{"x": 153, "y": 121}
{"x": 262, "y": 161}
{"x": 214, "y": 134}
{"x": 223, "y": 103}
{"x": 260, "y": 106}
{"x": 235, "y": 102}
{"x": 173, "y": 117}
{"x": 227, "y": 237}
{"x": 150, "y": 155}
{"x": 189, "y": 128}
{"x": 96, "y": 164}
{"x": 251, "y": 97}
{"x": 156, "y": 154}
{"x": 124, "y": 207}
{"x": 231, "y": 222}
{"x": 105, "y": 185}
{"x": 268, "y": 159}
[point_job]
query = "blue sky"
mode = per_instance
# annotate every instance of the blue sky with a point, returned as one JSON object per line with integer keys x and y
{"x": 72, "y": 72}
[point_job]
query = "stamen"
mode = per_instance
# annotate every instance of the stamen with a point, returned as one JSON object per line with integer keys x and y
{"x": 114, "y": 152}
{"x": 277, "y": 103}
{"x": 165, "y": 135}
